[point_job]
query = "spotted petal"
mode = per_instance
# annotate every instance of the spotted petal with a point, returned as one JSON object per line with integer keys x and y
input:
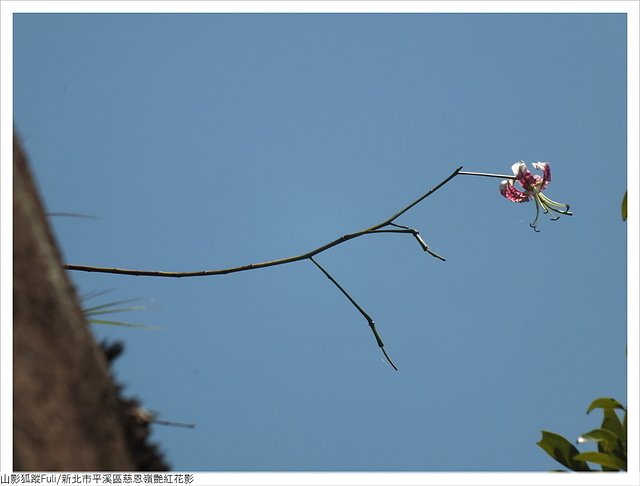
{"x": 519, "y": 168}
{"x": 511, "y": 193}
{"x": 546, "y": 173}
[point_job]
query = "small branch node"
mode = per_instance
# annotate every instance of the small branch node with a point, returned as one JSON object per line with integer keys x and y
{"x": 424, "y": 246}
{"x": 422, "y": 243}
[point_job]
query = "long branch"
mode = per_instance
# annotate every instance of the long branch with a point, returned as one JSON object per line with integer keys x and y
{"x": 378, "y": 228}
{"x": 282, "y": 261}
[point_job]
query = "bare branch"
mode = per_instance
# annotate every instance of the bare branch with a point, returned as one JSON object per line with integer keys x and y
{"x": 282, "y": 261}
{"x": 371, "y": 322}
{"x": 420, "y": 199}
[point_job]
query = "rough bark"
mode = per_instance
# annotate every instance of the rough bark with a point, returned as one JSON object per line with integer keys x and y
{"x": 68, "y": 415}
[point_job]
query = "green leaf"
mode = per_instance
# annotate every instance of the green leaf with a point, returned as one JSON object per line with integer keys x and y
{"x": 606, "y": 460}
{"x": 93, "y": 294}
{"x": 605, "y": 437}
{"x": 612, "y": 422}
{"x": 124, "y": 324}
{"x": 605, "y": 403}
{"x": 601, "y": 449}
{"x": 91, "y": 313}
{"x": 94, "y": 311}
{"x": 562, "y": 451}
{"x": 624, "y": 207}
{"x": 110, "y": 307}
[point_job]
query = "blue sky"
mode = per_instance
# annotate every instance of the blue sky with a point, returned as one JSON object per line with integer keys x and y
{"x": 210, "y": 141}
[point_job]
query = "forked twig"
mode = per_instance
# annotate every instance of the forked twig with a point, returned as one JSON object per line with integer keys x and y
{"x": 371, "y": 322}
{"x": 417, "y": 236}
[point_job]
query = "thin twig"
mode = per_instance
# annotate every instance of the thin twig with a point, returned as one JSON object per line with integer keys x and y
{"x": 420, "y": 199}
{"x": 282, "y": 261}
{"x": 371, "y": 322}
{"x": 174, "y": 424}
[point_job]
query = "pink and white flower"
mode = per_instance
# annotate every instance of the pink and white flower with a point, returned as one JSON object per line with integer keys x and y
{"x": 533, "y": 185}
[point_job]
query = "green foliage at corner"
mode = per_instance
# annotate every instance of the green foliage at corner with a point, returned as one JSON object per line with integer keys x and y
{"x": 624, "y": 207}
{"x": 611, "y": 440}
{"x": 562, "y": 451}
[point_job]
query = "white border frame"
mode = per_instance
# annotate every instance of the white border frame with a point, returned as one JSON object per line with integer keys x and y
{"x": 630, "y": 7}
{"x": 6, "y": 240}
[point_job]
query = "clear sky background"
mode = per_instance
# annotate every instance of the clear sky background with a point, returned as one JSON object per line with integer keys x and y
{"x": 210, "y": 141}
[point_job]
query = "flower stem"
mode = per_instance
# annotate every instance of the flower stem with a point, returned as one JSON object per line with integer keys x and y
{"x": 484, "y": 174}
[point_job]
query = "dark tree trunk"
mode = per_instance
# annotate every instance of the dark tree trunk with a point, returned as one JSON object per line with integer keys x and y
{"x": 67, "y": 413}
